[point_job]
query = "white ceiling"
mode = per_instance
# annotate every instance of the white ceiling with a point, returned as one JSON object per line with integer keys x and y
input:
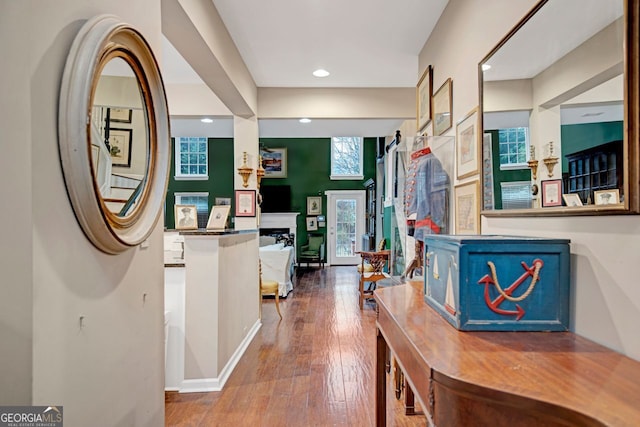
{"x": 362, "y": 43}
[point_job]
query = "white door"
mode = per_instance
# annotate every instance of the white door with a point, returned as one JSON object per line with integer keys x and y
{"x": 345, "y": 226}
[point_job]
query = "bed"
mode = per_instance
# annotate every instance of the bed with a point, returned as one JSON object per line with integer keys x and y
{"x": 277, "y": 263}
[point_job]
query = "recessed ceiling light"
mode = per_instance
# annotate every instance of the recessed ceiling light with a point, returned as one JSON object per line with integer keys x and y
{"x": 305, "y": 120}
{"x": 206, "y": 120}
{"x": 485, "y": 67}
{"x": 321, "y": 73}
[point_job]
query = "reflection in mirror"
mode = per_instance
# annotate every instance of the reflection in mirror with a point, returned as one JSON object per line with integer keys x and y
{"x": 553, "y": 106}
{"x": 119, "y": 138}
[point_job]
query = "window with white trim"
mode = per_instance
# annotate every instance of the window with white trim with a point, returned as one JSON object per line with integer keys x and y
{"x": 201, "y": 200}
{"x": 192, "y": 158}
{"x": 346, "y": 157}
{"x": 514, "y": 147}
{"x": 516, "y": 194}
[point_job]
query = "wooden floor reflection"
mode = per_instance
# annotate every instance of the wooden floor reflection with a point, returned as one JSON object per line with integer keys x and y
{"x": 313, "y": 368}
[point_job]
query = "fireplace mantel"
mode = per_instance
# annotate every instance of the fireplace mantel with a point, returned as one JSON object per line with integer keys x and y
{"x": 281, "y": 220}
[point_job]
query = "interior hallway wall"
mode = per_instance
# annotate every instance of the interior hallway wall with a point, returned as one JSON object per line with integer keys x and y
{"x": 605, "y": 297}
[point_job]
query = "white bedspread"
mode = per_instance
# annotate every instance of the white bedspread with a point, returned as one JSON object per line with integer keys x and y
{"x": 277, "y": 264}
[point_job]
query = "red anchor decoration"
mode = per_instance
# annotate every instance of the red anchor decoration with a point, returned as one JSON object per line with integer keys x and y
{"x": 494, "y": 305}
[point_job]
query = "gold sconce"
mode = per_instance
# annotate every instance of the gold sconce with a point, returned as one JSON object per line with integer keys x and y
{"x": 259, "y": 171}
{"x": 532, "y": 162}
{"x": 245, "y": 170}
{"x": 550, "y": 161}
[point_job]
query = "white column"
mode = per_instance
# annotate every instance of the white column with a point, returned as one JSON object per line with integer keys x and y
{"x": 245, "y": 139}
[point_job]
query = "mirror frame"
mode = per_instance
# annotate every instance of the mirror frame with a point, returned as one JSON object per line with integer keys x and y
{"x": 631, "y": 144}
{"x": 101, "y": 39}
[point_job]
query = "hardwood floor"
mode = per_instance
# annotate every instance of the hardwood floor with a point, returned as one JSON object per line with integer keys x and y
{"x": 313, "y": 368}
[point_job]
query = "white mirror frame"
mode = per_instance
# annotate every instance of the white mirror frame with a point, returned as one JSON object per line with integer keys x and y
{"x": 100, "y": 39}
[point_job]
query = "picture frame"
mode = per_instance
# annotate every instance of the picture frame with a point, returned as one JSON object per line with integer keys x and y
{"x": 606, "y": 197}
{"x": 245, "y": 203}
{"x": 467, "y": 207}
{"x": 185, "y": 217}
{"x": 551, "y": 192}
{"x": 220, "y": 201}
{"x": 218, "y": 217}
{"x": 120, "y": 146}
{"x": 424, "y": 91}
{"x": 274, "y": 162}
{"x": 314, "y": 205}
{"x": 312, "y": 223}
{"x": 322, "y": 221}
{"x": 120, "y": 115}
{"x": 442, "y": 105}
{"x": 572, "y": 200}
{"x": 468, "y": 145}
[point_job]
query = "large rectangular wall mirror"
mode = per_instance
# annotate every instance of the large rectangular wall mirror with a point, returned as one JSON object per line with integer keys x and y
{"x": 559, "y": 98}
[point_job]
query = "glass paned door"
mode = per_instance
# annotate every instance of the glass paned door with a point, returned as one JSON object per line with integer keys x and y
{"x": 345, "y": 219}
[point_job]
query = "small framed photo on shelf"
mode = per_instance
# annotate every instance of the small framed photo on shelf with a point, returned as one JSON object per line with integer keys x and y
{"x": 424, "y": 90}
{"x": 467, "y": 208}
{"x": 551, "y": 193}
{"x": 314, "y": 205}
{"x": 218, "y": 217}
{"x": 312, "y": 223}
{"x": 468, "y": 145}
{"x": 274, "y": 162}
{"x": 186, "y": 217}
{"x": 607, "y": 197}
{"x": 442, "y": 103}
{"x": 572, "y": 200}
{"x": 246, "y": 203}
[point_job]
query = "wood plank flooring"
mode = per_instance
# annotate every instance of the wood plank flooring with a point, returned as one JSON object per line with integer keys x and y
{"x": 313, "y": 368}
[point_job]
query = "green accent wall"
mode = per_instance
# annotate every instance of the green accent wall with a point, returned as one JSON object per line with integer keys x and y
{"x": 503, "y": 175}
{"x": 587, "y": 135}
{"x": 308, "y": 171}
{"x": 219, "y": 184}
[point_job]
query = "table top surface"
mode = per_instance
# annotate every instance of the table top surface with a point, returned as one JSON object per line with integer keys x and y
{"x": 560, "y": 368}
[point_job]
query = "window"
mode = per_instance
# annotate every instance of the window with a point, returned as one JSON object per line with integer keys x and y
{"x": 346, "y": 157}
{"x": 516, "y": 194}
{"x": 201, "y": 200}
{"x": 513, "y": 143}
{"x": 192, "y": 158}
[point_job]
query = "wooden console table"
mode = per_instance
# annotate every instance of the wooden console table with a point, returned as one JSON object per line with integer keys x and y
{"x": 500, "y": 378}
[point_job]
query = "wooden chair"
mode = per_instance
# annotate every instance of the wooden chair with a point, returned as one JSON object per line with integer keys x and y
{"x": 371, "y": 269}
{"x": 268, "y": 287}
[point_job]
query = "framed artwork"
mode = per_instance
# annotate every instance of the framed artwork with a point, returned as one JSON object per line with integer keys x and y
{"x": 468, "y": 145}
{"x": 607, "y": 197}
{"x": 222, "y": 201}
{"x": 322, "y": 221}
{"x": 186, "y": 217}
{"x": 424, "y": 90}
{"x": 551, "y": 193}
{"x": 218, "y": 217}
{"x": 487, "y": 172}
{"x": 314, "y": 205}
{"x": 312, "y": 223}
{"x": 274, "y": 162}
{"x": 467, "y": 208}
{"x": 246, "y": 203}
{"x": 572, "y": 200}
{"x": 120, "y": 146}
{"x": 120, "y": 115}
{"x": 442, "y": 108}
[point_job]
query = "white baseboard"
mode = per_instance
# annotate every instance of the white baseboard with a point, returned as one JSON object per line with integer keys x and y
{"x": 216, "y": 384}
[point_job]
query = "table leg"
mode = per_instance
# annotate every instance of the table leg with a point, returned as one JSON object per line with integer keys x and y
{"x": 409, "y": 399}
{"x": 381, "y": 380}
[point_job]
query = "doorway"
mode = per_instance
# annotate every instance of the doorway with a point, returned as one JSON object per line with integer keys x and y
{"x": 345, "y": 226}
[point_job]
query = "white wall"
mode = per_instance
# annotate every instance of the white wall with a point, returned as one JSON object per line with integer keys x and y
{"x": 110, "y": 371}
{"x": 605, "y": 299}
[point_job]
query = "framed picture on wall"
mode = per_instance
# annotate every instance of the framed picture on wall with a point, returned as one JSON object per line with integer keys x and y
{"x": 468, "y": 145}
{"x": 314, "y": 205}
{"x": 424, "y": 90}
{"x": 442, "y": 103}
{"x": 120, "y": 115}
{"x": 551, "y": 192}
{"x": 312, "y": 223}
{"x": 274, "y": 162}
{"x": 467, "y": 208}
{"x": 120, "y": 146}
{"x": 246, "y": 203}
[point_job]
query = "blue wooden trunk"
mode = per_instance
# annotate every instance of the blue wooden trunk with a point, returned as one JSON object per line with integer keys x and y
{"x": 460, "y": 285}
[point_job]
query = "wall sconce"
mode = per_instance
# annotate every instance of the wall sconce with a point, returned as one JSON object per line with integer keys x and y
{"x": 550, "y": 161}
{"x": 532, "y": 162}
{"x": 245, "y": 170}
{"x": 259, "y": 171}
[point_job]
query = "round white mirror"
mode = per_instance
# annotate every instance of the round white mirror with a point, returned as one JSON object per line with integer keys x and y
{"x": 114, "y": 134}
